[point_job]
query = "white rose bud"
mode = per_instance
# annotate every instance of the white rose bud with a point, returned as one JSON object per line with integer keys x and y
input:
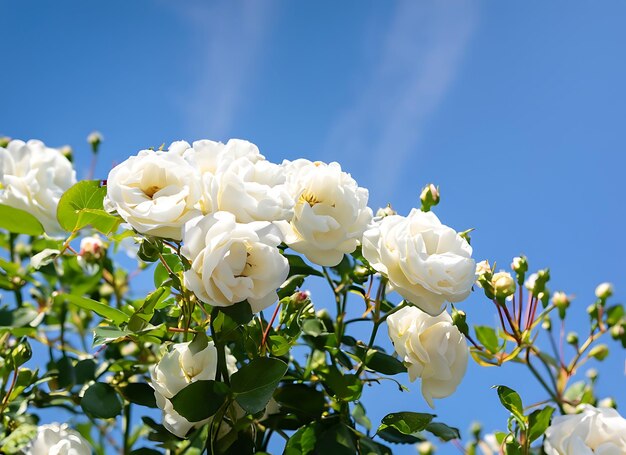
{"x": 432, "y": 348}
{"x": 425, "y": 261}
{"x": 503, "y": 284}
{"x": 94, "y": 139}
{"x": 429, "y": 197}
{"x": 604, "y": 291}
{"x": 594, "y": 430}
{"x": 330, "y": 212}
{"x": 33, "y": 178}
{"x": 155, "y": 192}
{"x": 519, "y": 264}
{"x": 425, "y": 448}
{"x": 58, "y": 439}
{"x": 177, "y": 369}
{"x": 232, "y": 262}
{"x": 482, "y": 268}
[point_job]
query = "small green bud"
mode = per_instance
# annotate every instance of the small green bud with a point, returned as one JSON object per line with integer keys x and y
{"x": 429, "y": 197}
{"x": 572, "y": 338}
{"x": 503, "y": 284}
{"x": 617, "y": 331}
{"x": 475, "y": 429}
{"x": 599, "y": 352}
{"x": 4, "y": 141}
{"x": 604, "y": 291}
{"x": 95, "y": 139}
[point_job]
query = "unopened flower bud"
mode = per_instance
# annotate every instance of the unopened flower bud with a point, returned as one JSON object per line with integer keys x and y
{"x": 607, "y": 402}
{"x": 572, "y": 338}
{"x": 547, "y": 323}
{"x": 301, "y": 297}
{"x": 67, "y": 152}
{"x": 94, "y": 138}
{"x": 4, "y": 141}
{"x": 519, "y": 264}
{"x": 475, "y": 429}
{"x": 561, "y": 301}
{"x": 617, "y": 331}
{"x": 425, "y": 448}
{"x": 503, "y": 284}
{"x": 92, "y": 249}
{"x": 483, "y": 268}
{"x": 385, "y": 211}
{"x": 592, "y": 374}
{"x": 604, "y": 291}
{"x": 599, "y": 352}
{"x": 429, "y": 197}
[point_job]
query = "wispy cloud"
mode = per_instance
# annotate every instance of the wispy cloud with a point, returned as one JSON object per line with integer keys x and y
{"x": 229, "y": 37}
{"x": 413, "y": 70}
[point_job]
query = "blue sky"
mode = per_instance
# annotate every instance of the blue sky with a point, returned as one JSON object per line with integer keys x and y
{"x": 516, "y": 110}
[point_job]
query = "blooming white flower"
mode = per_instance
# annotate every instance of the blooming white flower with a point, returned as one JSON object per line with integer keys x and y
{"x": 252, "y": 191}
{"x": 177, "y": 369}
{"x": 427, "y": 262}
{"x": 156, "y": 192}
{"x": 330, "y": 212}
{"x": 58, "y": 439}
{"x": 489, "y": 445}
{"x": 600, "y": 431}
{"x": 33, "y": 178}
{"x": 432, "y": 348}
{"x": 232, "y": 262}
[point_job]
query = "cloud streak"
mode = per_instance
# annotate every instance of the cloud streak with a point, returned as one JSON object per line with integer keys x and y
{"x": 231, "y": 36}
{"x": 415, "y": 66}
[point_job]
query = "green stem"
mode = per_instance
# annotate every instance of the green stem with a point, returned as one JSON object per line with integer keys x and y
{"x": 222, "y": 370}
{"x": 127, "y": 427}
{"x": 15, "y": 258}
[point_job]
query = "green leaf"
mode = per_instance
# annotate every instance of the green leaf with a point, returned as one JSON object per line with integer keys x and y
{"x": 199, "y": 343}
{"x": 18, "y": 439}
{"x": 104, "y": 310}
{"x": 313, "y": 327}
{"x": 85, "y": 371}
{"x": 370, "y": 447}
{"x": 360, "y": 416}
{"x": 538, "y": 422}
{"x": 614, "y": 314}
{"x": 101, "y": 400}
{"x": 254, "y": 383}
{"x": 297, "y": 266}
{"x": 140, "y": 318}
{"x": 19, "y": 221}
{"x": 140, "y": 393}
{"x": 67, "y": 373}
{"x": 346, "y": 387}
{"x": 240, "y": 312}
{"x": 303, "y": 441}
{"x": 279, "y": 345}
{"x": 384, "y": 363}
{"x": 488, "y": 337}
{"x": 82, "y": 205}
{"x": 443, "y": 431}
{"x": 409, "y": 423}
{"x": 43, "y": 258}
{"x": 200, "y": 400}
{"x": 512, "y": 402}
{"x": 301, "y": 399}
{"x": 392, "y": 435}
{"x": 107, "y": 334}
{"x": 336, "y": 440}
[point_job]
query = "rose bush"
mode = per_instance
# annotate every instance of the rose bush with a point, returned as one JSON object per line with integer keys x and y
{"x": 204, "y": 337}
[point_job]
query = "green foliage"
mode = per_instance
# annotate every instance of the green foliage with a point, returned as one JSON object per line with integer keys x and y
{"x": 200, "y": 400}
{"x": 19, "y": 221}
{"x": 254, "y": 383}
{"x": 82, "y": 206}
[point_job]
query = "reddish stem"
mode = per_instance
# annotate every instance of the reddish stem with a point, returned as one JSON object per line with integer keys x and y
{"x": 269, "y": 326}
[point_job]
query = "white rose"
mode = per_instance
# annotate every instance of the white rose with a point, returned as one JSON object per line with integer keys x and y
{"x": 177, "y": 369}
{"x": 58, "y": 439}
{"x": 427, "y": 262}
{"x": 252, "y": 191}
{"x": 232, "y": 262}
{"x": 432, "y": 348}
{"x": 213, "y": 157}
{"x": 33, "y": 178}
{"x": 156, "y": 192}
{"x": 330, "y": 212}
{"x": 600, "y": 431}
